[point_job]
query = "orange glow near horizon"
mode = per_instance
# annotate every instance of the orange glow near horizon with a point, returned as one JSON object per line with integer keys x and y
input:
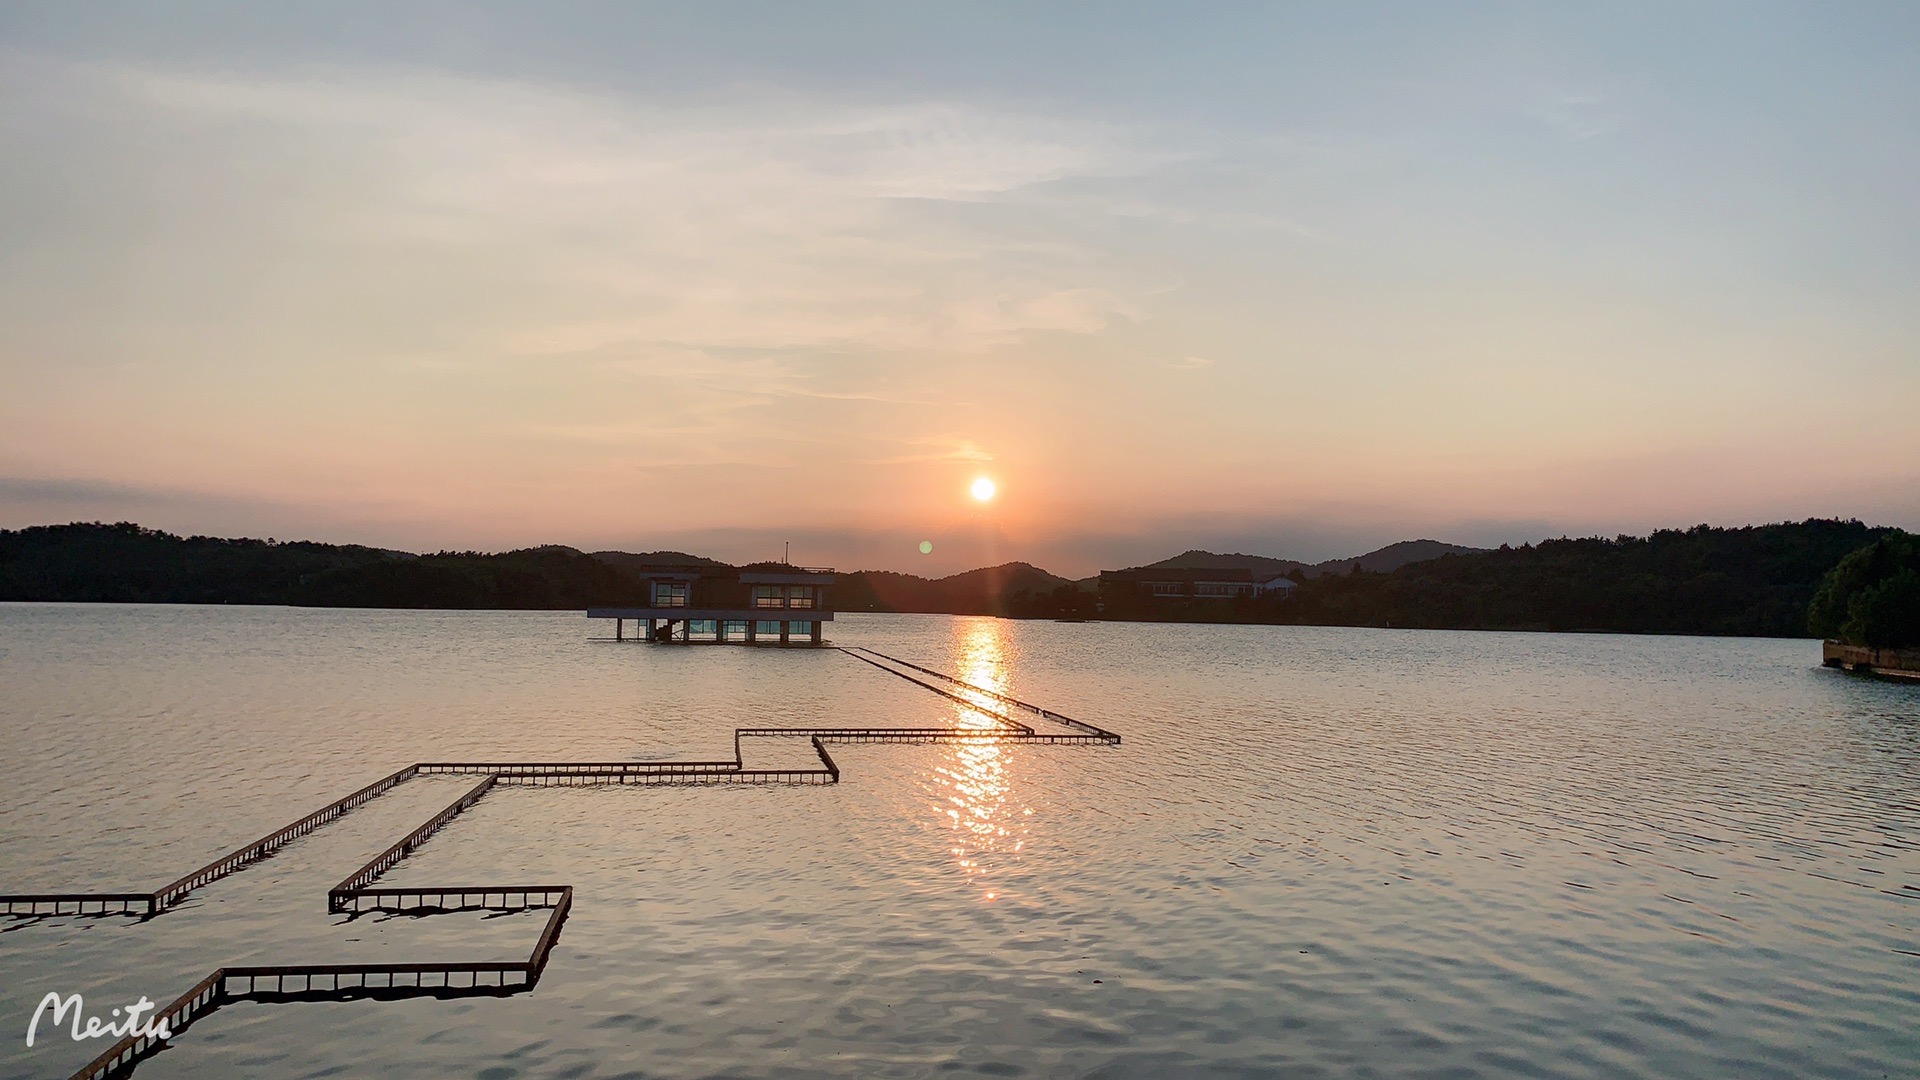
{"x": 983, "y": 489}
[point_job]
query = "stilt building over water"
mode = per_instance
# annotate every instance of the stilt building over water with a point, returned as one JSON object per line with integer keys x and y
{"x": 760, "y": 604}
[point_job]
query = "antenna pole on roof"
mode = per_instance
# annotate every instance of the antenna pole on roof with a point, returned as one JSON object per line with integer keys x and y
{"x": 788, "y": 557}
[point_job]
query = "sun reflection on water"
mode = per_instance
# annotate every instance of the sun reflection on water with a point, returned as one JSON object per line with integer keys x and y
{"x": 988, "y": 821}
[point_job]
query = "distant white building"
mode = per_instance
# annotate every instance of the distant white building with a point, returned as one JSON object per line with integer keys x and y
{"x": 1184, "y": 583}
{"x": 1279, "y": 586}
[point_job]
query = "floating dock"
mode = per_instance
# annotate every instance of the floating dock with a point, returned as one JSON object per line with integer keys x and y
{"x": 443, "y": 978}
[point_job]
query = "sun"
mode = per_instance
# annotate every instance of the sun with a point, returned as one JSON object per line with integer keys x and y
{"x": 983, "y": 489}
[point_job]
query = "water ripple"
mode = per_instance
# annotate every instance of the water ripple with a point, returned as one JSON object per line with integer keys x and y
{"x": 1319, "y": 852}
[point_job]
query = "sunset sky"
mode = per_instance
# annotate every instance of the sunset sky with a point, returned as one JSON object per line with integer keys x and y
{"x": 1282, "y": 280}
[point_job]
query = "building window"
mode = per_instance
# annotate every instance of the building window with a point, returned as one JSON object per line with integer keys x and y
{"x": 768, "y": 596}
{"x": 771, "y": 629}
{"x": 1166, "y": 588}
{"x": 669, "y": 594}
{"x": 800, "y": 596}
{"x": 802, "y": 628}
{"x": 1219, "y": 588}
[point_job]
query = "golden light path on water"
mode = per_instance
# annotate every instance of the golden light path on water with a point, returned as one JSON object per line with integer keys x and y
{"x": 988, "y": 821}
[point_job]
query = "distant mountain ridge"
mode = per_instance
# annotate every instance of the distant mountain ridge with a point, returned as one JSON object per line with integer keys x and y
{"x": 1380, "y": 561}
{"x": 640, "y": 562}
{"x": 982, "y": 591}
{"x": 988, "y": 590}
{"x": 1753, "y": 580}
{"x": 129, "y": 564}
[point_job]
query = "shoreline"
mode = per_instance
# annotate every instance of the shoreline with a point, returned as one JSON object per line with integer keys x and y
{"x": 1901, "y": 664}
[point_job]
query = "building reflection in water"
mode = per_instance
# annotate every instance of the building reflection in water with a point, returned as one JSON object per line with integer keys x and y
{"x": 989, "y": 822}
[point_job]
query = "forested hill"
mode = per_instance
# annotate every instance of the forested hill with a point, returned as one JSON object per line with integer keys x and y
{"x": 986, "y": 591}
{"x": 1754, "y": 581}
{"x": 1386, "y": 559}
{"x": 125, "y": 563}
{"x": 1746, "y": 581}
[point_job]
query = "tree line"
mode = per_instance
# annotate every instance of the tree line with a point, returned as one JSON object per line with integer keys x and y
{"x": 1834, "y": 578}
{"x": 125, "y": 563}
{"x": 1755, "y": 581}
{"x": 1872, "y": 597}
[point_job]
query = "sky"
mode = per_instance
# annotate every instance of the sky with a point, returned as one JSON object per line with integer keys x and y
{"x": 1295, "y": 280}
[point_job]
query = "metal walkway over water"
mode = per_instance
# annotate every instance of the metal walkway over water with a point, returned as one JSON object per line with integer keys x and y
{"x": 354, "y": 894}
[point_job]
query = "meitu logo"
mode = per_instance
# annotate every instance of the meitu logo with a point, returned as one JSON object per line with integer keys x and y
{"x": 130, "y": 1024}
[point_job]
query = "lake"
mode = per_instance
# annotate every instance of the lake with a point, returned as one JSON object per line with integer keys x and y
{"x": 1317, "y": 852}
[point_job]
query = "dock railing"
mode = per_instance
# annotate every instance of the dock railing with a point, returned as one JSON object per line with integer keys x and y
{"x": 405, "y": 846}
{"x": 355, "y": 895}
{"x": 171, "y": 893}
{"x": 297, "y": 982}
{"x": 120, "y": 1058}
{"x": 1058, "y": 718}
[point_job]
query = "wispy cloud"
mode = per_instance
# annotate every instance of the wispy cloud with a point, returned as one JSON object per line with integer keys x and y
{"x": 565, "y": 221}
{"x": 767, "y": 222}
{"x": 1578, "y": 117}
{"x": 948, "y": 449}
{"x": 579, "y": 267}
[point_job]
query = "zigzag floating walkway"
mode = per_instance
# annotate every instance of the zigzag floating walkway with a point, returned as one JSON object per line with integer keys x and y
{"x": 353, "y": 896}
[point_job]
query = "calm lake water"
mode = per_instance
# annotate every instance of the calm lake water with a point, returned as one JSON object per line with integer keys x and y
{"x": 1319, "y": 852}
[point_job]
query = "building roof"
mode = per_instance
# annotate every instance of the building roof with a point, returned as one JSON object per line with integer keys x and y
{"x": 1182, "y": 575}
{"x": 795, "y": 576}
